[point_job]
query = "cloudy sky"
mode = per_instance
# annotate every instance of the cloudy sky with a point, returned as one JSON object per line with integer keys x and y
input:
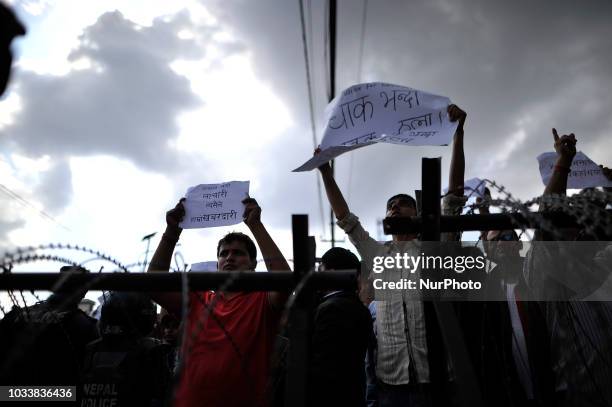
{"x": 116, "y": 108}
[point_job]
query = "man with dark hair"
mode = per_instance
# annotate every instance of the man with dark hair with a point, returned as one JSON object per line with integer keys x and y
{"x": 242, "y": 238}
{"x": 341, "y": 334}
{"x": 402, "y": 367}
{"x": 126, "y": 366}
{"x": 401, "y": 199}
{"x": 230, "y": 335}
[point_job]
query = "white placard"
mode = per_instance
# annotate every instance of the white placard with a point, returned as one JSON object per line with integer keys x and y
{"x": 208, "y": 266}
{"x": 210, "y": 205}
{"x": 584, "y": 173}
{"x": 379, "y": 112}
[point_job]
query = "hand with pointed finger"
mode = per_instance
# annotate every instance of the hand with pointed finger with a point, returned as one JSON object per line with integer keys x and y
{"x": 565, "y": 146}
{"x": 252, "y": 212}
{"x": 456, "y": 114}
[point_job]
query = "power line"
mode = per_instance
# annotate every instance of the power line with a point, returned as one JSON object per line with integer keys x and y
{"x": 25, "y": 202}
{"x": 332, "y": 20}
{"x": 326, "y": 53}
{"x": 362, "y": 41}
{"x": 310, "y": 101}
{"x": 359, "y": 79}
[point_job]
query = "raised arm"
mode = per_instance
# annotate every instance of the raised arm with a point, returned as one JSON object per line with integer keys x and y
{"x": 160, "y": 263}
{"x": 483, "y": 209}
{"x": 453, "y": 202}
{"x": 334, "y": 196}
{"x": 457, "y": 166}
{"x": 274, "y": 259}
{"x": 607, "y": 172}
{"x": 565, "y": 146}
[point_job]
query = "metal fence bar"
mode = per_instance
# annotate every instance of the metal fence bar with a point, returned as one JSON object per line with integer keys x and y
{"x": 164, "y": 282}
{"x": 296, "y": 392}
{"x": 496, "y": 221}
{"x": 441, "y": 321}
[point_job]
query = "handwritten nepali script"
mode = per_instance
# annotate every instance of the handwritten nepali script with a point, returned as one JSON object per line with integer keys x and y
{"x": 377, "y": 112}
{"x": 210, "y": 205}
{"x": 584, "y": 173}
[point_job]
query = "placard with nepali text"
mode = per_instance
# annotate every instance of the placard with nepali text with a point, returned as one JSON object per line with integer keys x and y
{"x": 210, "y": 205}
{"x": 379, "y": 112}
{"x": 584, "y": 173}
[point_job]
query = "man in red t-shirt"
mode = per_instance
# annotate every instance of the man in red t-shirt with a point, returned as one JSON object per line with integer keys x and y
{"x": 230, "y": 335}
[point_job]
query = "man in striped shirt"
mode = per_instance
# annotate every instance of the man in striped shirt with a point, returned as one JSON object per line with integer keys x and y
{"x": 402, "y": 364}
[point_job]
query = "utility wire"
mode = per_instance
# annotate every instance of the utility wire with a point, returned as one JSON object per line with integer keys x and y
{"x": 331, "y": 44}
{"x": 326, "y": 54}
{"x": 25, "y": 202}
{"x": 359, "y": 79}
{"x": 311, "y": 103}
{"x": 362, "y": 40}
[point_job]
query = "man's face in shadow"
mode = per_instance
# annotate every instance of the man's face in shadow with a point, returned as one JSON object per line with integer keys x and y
{"x": 400, "y": 207}
{"x": 234, "y": 256}
{"x": 503, "y": 245}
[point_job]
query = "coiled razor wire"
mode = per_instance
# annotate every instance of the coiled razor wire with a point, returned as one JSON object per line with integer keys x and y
{"x": 583, "y": 207}
{"x": 10, "y": 257}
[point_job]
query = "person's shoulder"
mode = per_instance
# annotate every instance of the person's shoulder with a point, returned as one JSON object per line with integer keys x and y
{"x": 403, "y": 245}
{"x": 342, "y": 300}
{"x": 88, "y": 325}
{"x": 84, "y": 317}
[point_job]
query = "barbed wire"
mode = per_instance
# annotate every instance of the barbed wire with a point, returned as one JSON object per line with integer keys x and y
{"x": 516, "y": 205}
{"x": 9, "y": 257}
{"x": 587, "y": 207}
{"x": 30, "y": 258}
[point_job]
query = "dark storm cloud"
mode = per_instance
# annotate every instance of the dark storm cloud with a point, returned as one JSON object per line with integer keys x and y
{"x": 125, "y": 105}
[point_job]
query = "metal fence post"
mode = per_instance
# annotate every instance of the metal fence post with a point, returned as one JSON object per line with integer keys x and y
{"x": 299, "y": 319}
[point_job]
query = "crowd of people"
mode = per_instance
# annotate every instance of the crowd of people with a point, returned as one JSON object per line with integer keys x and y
{"x": 553, "y": 350}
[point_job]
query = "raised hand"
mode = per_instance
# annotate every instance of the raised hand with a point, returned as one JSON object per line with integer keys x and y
{"x": 456, "y": 114}
{"x": 175, "y": 216}
{"x": 252, "y": 212}
{"x": 565, "y": 146}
